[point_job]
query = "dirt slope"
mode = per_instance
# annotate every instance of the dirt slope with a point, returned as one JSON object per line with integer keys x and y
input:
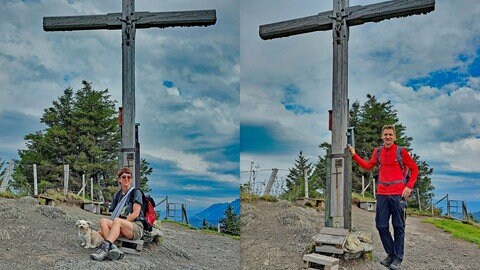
{"x": 275, "y": 235}
{"x": 34, "y": 236}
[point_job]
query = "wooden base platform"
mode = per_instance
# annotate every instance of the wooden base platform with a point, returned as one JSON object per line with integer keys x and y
{"x": 313, "y": 259}
{"x": 331, "y": 240}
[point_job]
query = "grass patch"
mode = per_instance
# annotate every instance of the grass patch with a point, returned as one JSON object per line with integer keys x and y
{"x": 415, "y": 212}
{"x": 235, "y": 237}
{"x": 58, "y": 195}
{"x": 467, "y": 232}
{"x": 247, "y": 197}
{"x": 7, "y": 194}
{"x": 180, "y": 224}
{"x": 357, "y": 198}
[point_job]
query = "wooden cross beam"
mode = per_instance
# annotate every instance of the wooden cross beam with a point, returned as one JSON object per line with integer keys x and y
{"x": 113, "y": 21}
{"x": 128, "y": 21}
{"x": 337, "y": 212}
{"x": 356, "y": 15}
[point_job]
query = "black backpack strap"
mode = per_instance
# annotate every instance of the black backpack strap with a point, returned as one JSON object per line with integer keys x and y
{"x": 379, "y": 151}
{"x": 399, "y": 157}
{"x": 132, "y": 196}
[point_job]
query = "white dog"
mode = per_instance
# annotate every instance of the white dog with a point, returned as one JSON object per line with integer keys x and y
{"x": 90, "y": 238}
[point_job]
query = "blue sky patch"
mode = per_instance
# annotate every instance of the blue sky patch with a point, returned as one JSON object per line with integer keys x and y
{"x": 232, "y": 151}
{"x": 381, "y": 55}
{"x": 474, "y": 67}
{"x": 193, "y": 135}
{"x": 168, "y": 84}
{"x": 263, "y": 138}
{"x": 297, "y": 109}
{"x": 67, "y": 78}
{"x": 289, "y": 103}
{"x": 256, "y": 138}
{"x": 439, "y": 79}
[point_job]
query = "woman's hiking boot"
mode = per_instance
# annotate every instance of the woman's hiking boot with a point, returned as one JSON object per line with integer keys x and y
{"x": 102, "y": 252}
{"x": 115, "y": 253}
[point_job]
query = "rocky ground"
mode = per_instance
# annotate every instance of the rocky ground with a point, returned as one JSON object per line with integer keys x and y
{"x": 34, "y": 236}
{"x": 275, "y": 235}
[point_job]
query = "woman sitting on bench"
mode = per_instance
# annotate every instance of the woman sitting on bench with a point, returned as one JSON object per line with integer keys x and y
{"x": 126, "y": 220}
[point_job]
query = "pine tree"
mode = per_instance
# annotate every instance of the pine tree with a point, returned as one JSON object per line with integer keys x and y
{"x": 204, "y": 224}
{"x": 230, "y": 224}
{"x": 145, "y": 171}
{"x": 319, "y": 177}
{"x": 81, "y": 131}
{"x": 295, "y": 181}
{"x": 423, "y": 184}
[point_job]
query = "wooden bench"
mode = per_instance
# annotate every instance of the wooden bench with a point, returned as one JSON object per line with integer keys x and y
{"x": 48, "y": 200}
{"x": 93, "y": 207}
{"x": 129, "y": 246}
{"x": 136, "y": 246}
{"x": 330, "y": 263}
{"x": 368, "y": 205}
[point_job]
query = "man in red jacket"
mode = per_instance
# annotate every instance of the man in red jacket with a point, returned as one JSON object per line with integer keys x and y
{"x": 392, "y": 193}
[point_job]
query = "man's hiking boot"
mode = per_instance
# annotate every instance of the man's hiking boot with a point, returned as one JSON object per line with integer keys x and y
{"x": 396, "y": 264}
{"x": 387, "y": 261}
{"x": 115, "y": 253}
{"x": 102, "y": 252}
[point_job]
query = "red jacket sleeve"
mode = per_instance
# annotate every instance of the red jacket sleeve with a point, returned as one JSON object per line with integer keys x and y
{"x": 410, "y": 163}
{"x": 367, "y": 165}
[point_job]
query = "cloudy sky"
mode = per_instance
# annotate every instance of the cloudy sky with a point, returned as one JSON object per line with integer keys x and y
{"x": 427, "y": 65}
{"x": 187, "y": 88}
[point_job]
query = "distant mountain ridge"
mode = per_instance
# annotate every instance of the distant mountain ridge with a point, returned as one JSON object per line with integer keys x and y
{"x": 214, "y": 213}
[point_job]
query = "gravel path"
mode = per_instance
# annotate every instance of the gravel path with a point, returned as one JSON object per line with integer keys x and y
{"x": 35, "y": 236}
{"x": 275, "y": 235}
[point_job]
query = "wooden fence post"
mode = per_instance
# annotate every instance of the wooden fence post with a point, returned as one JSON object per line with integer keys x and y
{"x": 35, "y": 180}
{"x": 91, "y": 188}
{"x": 83, "y": 186}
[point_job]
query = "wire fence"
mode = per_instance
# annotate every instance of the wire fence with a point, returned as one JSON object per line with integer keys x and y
{"x": 258, "y": 181}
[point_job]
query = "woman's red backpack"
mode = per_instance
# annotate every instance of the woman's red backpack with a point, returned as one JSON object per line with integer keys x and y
{"x": 148, "y": 208}
{"x": 149, "y": 211}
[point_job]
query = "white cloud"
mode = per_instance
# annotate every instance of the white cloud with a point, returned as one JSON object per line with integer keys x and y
{"x": 191, "y": 164}
{"x": 197, "y": 188}
{"x": 188, "y": 162}
{"x": 173, "y": 91}
{"x": 462, "y": 155}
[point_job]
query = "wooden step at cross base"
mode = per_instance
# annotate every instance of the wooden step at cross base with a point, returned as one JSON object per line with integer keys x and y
{"x": 331, "y": 240}
{"x": 129, "y": 246}
{"x": 330, "y": 263}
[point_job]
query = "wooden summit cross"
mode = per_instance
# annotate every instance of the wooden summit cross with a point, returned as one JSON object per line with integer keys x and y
{"x": 128, "y": 21}
{"x": 342, "y": 16}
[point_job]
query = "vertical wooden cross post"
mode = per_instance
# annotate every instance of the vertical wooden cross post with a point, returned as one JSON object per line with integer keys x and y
{"x": 339, "y": 20}
{"x": 128, "y": 21}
